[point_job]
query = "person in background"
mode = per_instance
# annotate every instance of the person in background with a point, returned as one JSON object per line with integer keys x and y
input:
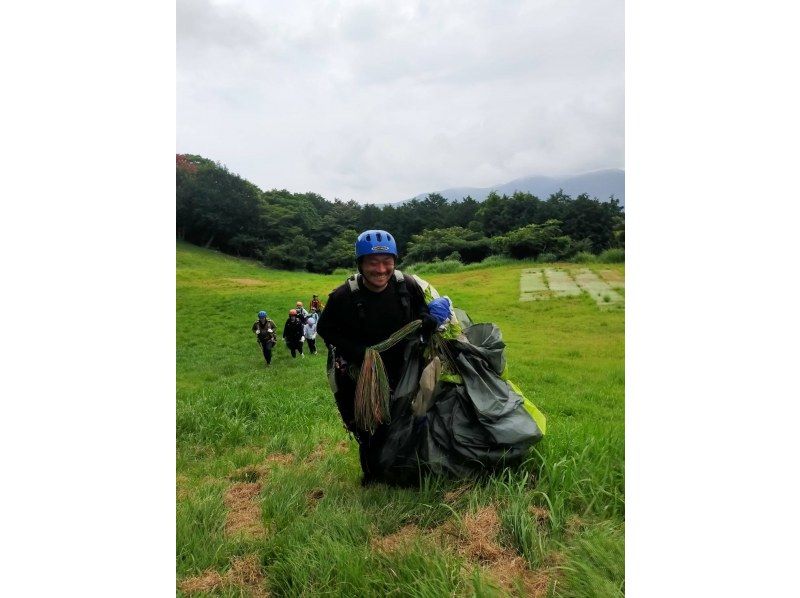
{"x": 301, "y": 311}
{"x": 264, "y": 329}
{"x": 310, "y": 332}
{"x": 293, "y": 334}
{"x": 316, "y": 304}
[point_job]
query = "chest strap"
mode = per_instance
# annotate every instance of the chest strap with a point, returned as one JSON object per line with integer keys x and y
{"x": 401, "y": 288}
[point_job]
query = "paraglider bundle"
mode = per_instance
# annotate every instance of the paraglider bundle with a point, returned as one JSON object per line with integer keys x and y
{"x": 453, "y": 410}
{"x": 372, "y": 388}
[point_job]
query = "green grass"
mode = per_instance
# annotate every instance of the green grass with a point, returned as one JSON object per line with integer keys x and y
{"x": 233, "y": 412}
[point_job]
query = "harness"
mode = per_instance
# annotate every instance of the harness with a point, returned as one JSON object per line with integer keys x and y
{"x": 402, "y": 292}
{"x": 262, "y": 331}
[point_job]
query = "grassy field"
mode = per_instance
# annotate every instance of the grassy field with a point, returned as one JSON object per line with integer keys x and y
{"x": 268, "y": 494}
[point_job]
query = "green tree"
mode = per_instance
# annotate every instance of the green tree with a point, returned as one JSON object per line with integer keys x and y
{"x": 497, "y": 215}
{"x": 440, "y": 242}
{"x": 587, "y": 218}
{"x": 534, "y": 239}
{"x": 460, "y": 213}
{"x": 213, "y": 205}
{"x": 339, "y": 253}
{"x": 294, "y": 254}
{"x": 304, "y": 230}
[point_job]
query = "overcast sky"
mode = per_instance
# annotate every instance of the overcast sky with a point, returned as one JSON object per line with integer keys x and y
{"x": 380, "y": 101}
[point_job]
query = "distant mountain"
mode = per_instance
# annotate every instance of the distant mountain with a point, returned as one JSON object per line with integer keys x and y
{"x": 599, "y": 183}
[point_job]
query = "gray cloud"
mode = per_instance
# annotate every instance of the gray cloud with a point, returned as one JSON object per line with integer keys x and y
{"x": 373, "y": 102}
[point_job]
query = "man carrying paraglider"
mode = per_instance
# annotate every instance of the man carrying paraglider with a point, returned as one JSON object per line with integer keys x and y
{"x": 365, "y": 311}
{"x": 421, "y": 387}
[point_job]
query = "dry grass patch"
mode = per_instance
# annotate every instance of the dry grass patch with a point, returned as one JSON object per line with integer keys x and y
{"x": 181, "y": 487}
{"x": 254, "y": 473}
{"x": 248, "y": 282}
{"x": 479, "y": 542}
{"x": 313, "y": 497}
{"x": 541, "y": 514}
{"x": 508, "y": 574}
{"x": 317, "y": 454}
{"x": 476, "y": 540}
{"x": 321, "y": 451}
{"x": 205, "y": 582}
{"x": 249, "y": 473}
{"x": 402, "y": 538}
{"x": 245, "y": 574}
{"x": 280, "y": 458}
{"x": 575, "y": 525}
{"x": 244, "y": 510}
{"x": 454, "y": 495}
{"x": 613, "y": 276}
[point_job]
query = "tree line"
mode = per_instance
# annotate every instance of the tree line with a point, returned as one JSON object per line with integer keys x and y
{"x": 219, "y": 209}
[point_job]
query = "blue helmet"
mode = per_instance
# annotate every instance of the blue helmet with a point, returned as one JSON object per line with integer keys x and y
{"x": 375, "y": 242}
{"x": 262, "y": 314}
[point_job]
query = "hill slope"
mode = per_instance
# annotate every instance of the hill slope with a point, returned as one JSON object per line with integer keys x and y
{"x": 268, "y": 494}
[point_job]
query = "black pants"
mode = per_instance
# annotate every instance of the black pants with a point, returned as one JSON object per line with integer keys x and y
{"x": 296, "y": 348}
{"x": 312, "y": 345}
{"x": 344, "y": 397}
{"x": 266, "y": 349}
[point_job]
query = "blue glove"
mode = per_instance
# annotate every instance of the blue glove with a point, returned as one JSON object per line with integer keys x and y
{"x": 440, "y": 309}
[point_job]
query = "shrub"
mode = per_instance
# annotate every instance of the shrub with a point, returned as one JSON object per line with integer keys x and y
{"x": 584, "y": 257}
{"x": 441, "y": 267}
{"x": 612, "y": 256}
{"x": 546, "y": 258}
{"x": 492, "y": 260}
{"x": 455, "y": 256}
{"x": 497, "y": 260}
{"x": 343, "y": 271}
{"x": 576, "y": 247}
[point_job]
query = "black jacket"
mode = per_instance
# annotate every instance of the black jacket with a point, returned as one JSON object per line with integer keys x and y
{"x": 344, "y": 326}
{"x": 261, "y": 330}
{"x": 293, "y": 330}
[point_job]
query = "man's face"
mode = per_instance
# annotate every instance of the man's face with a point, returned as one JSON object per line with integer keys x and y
{"x": 377, "y": 269}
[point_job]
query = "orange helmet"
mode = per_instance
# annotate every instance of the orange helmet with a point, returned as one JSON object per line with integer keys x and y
{"x": 292, "y": 312}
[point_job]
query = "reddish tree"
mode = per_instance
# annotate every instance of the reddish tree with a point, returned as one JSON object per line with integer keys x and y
{"x": 185, "y": 164}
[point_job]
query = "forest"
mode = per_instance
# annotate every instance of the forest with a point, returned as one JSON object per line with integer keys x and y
{"x": 304, "y": 231}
